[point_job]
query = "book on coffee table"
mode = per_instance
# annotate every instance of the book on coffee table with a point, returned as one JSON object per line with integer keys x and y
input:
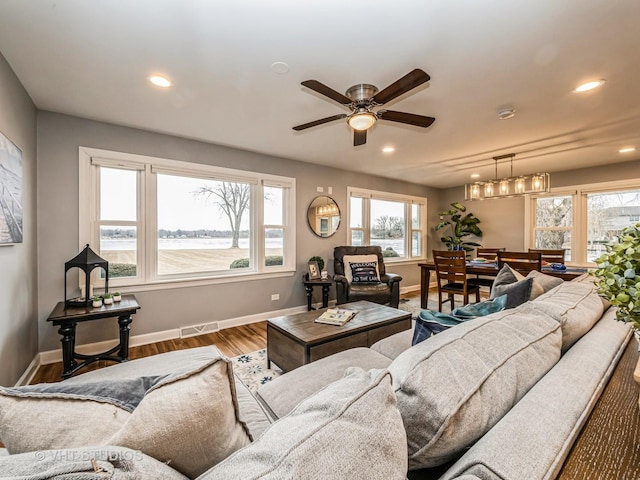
{"x": 336, "y": 316}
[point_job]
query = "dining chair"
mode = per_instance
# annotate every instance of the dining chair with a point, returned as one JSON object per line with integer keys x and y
{"x": 490, "y": 254}
{"x": 551, "y": 256}
{"x": 524, "y": 262}
{"x": 451, "y": 274}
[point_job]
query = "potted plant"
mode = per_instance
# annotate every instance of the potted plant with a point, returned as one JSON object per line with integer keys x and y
{"x": 618, "y": 275}
{"x": 117, "y": 296}
{"x": 96, "y": 301}
{"x": 319, "y": 260}
{"x": 107, "y": 298}
{"x": 461, "y": 226}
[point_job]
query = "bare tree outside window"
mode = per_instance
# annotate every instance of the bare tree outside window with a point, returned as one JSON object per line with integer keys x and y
{"x": 233, "y": 201}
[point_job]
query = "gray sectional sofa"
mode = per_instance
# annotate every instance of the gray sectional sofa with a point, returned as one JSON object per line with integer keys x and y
{"x": 473, "y": 402}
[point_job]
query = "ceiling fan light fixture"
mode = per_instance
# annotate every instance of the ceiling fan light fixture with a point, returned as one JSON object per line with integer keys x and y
{"x": 361, "y": 120}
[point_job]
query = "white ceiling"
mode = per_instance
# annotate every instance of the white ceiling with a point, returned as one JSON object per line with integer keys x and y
{"x": 91, "y": 58}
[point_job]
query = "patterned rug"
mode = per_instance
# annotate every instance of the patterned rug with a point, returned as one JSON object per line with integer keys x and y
{"x": 252, "y": 369}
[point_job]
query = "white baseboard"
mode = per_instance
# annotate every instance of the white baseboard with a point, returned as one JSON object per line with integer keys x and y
{"x": 410, "y": 288}
{"x": 30, "y": 372}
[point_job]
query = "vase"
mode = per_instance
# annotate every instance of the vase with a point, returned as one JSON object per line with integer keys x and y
{"x": 108, "y": 300}
{"x": 96, "y": 303}
{"x": 117, "y": 298}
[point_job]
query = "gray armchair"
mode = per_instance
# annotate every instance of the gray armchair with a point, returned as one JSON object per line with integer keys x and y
{"x": 386, "y": 291}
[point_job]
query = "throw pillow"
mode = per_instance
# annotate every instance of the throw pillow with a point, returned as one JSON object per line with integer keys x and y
{"x": 37, "y": 417}
{"x": 331, "y": 434}
{"x": 429, "y": 322}
{"x": 347, "y": 260}
{"x": 189, "y": 419}
{"x": 547, "y": 282}
{"x": 505, "y": 276}
{"x": 366, "y": 272}
{"x": 519, "y": 292}
{"x": 455, "y": 387}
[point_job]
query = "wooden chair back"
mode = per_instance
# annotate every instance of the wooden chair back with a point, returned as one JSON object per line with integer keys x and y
{"x": 451, "y": 274}
{"x": 523, "y": 262}
{"x": 551, "y": 256}
{"x": 488, "y": 253}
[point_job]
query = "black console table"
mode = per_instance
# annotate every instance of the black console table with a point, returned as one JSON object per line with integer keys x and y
{"x": 325, "y": 284}
{"x": 67, "y": 319}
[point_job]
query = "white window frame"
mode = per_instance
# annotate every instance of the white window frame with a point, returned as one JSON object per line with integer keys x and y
{"x": 408, "y": 200}
{"x": 579, "y": 214}
{"x": 147, "y": 168}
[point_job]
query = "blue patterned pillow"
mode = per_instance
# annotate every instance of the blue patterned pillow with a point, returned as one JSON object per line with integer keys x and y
{"x": 365, "y": 272}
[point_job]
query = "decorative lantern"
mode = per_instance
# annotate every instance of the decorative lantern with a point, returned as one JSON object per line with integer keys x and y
{"x": 86, "y": 261}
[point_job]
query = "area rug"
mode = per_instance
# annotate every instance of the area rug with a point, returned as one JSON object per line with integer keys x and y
{"x": 251, "y": 369}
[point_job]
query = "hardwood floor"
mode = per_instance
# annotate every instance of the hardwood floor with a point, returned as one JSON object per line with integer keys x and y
{"x": 230, "y": 341}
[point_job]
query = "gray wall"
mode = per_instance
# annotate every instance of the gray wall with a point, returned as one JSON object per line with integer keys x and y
{"x": 502, "y": 220}
{"x": 59, "y": 137}
{"x": 18, "y": 292}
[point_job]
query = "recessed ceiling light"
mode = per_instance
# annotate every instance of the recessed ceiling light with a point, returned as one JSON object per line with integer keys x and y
{"x": 388, "y": 149}
{"x": 160, "y": 81}
{"x": 627, "y": 150}
{"x": 585, "y": 87}
{"x": 280, "y": 68}
{"x": 506, "y": 113}
{"x": 475, "y": 175}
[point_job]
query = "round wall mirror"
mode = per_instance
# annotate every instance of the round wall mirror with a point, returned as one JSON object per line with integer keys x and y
{"x": 323, "y": 216}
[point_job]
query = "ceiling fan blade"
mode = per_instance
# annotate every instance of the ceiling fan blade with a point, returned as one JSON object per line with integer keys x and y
{"x": 359, "y": 137}
{"x": 319, "y": 122}
{"x": 322, "y": 89}
{"x": 410, "y": 81}
{"x": 409, "y": 118}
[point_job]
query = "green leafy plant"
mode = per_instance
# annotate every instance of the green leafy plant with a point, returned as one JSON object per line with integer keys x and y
{"x": 319, "y": 260}
{"x": 107, "y": 295}
{"x": 619, "y": 275}
{"x": 96, "y": 298}
{"x": 461, "y": 225}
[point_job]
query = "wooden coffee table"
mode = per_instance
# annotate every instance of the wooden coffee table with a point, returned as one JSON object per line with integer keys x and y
{"x": 295, "y": 340}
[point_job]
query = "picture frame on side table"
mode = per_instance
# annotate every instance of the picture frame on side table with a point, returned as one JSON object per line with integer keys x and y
{"x": 314, "y": 271}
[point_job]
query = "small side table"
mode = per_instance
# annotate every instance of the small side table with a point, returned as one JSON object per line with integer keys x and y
{"x": 67, "y": 318}
{"x": 325, "y": 284}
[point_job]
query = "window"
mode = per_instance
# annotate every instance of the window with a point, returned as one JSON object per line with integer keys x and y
{"x": 583, "y": 221}
{"x": 394, "y": 222}
{"x": 160, "y": 221}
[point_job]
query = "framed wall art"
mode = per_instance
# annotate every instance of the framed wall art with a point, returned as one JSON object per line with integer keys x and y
{"x": 10, "y": 192}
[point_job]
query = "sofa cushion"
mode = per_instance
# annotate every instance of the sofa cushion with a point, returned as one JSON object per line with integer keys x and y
{"x": 453, "y": 388}
{"x": 115, "y": 463}
{"x": 190, "y": 419}
{"x": 95, "y": 417}
{"x": 591, "y": 279}
{"x": 575, "y": 305}
{"x": 350, "y": 429}
{"x": 283, "y": 393}
{"x": 394, "y": 345}
{"x": 347, "y": 260}
{"x": 549, "y": 418}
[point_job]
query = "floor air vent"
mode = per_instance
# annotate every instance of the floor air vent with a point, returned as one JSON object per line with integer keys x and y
{"x": 194, "y": 330}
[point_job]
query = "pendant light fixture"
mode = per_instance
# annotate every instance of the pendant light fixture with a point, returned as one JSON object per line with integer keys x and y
{"x": 507, "y": 186}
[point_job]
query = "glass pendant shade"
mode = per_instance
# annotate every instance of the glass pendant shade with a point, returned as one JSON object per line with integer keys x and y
{"x": 362, "y": 121}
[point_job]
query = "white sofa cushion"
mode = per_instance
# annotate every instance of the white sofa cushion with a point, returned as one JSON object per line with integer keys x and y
{"x": 350, "y": 429}
{"x": 575, "y": 305}
{"x": 453, "y": 387}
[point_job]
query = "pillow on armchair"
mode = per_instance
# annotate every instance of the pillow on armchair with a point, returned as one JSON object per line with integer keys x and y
{"x": 350, "y": 260}
{"x": 365, "y": 272}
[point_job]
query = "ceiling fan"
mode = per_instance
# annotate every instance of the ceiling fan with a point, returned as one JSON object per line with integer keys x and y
{"x": 363, "y": 98}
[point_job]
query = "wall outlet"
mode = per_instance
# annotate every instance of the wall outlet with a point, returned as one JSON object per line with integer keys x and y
{"x": 275, "y": 296}
{"x": 329, "y": 190}
{"x": 319, "y": 189}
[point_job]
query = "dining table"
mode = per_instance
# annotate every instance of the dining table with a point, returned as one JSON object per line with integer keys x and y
{"x": 489, "y": 269}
